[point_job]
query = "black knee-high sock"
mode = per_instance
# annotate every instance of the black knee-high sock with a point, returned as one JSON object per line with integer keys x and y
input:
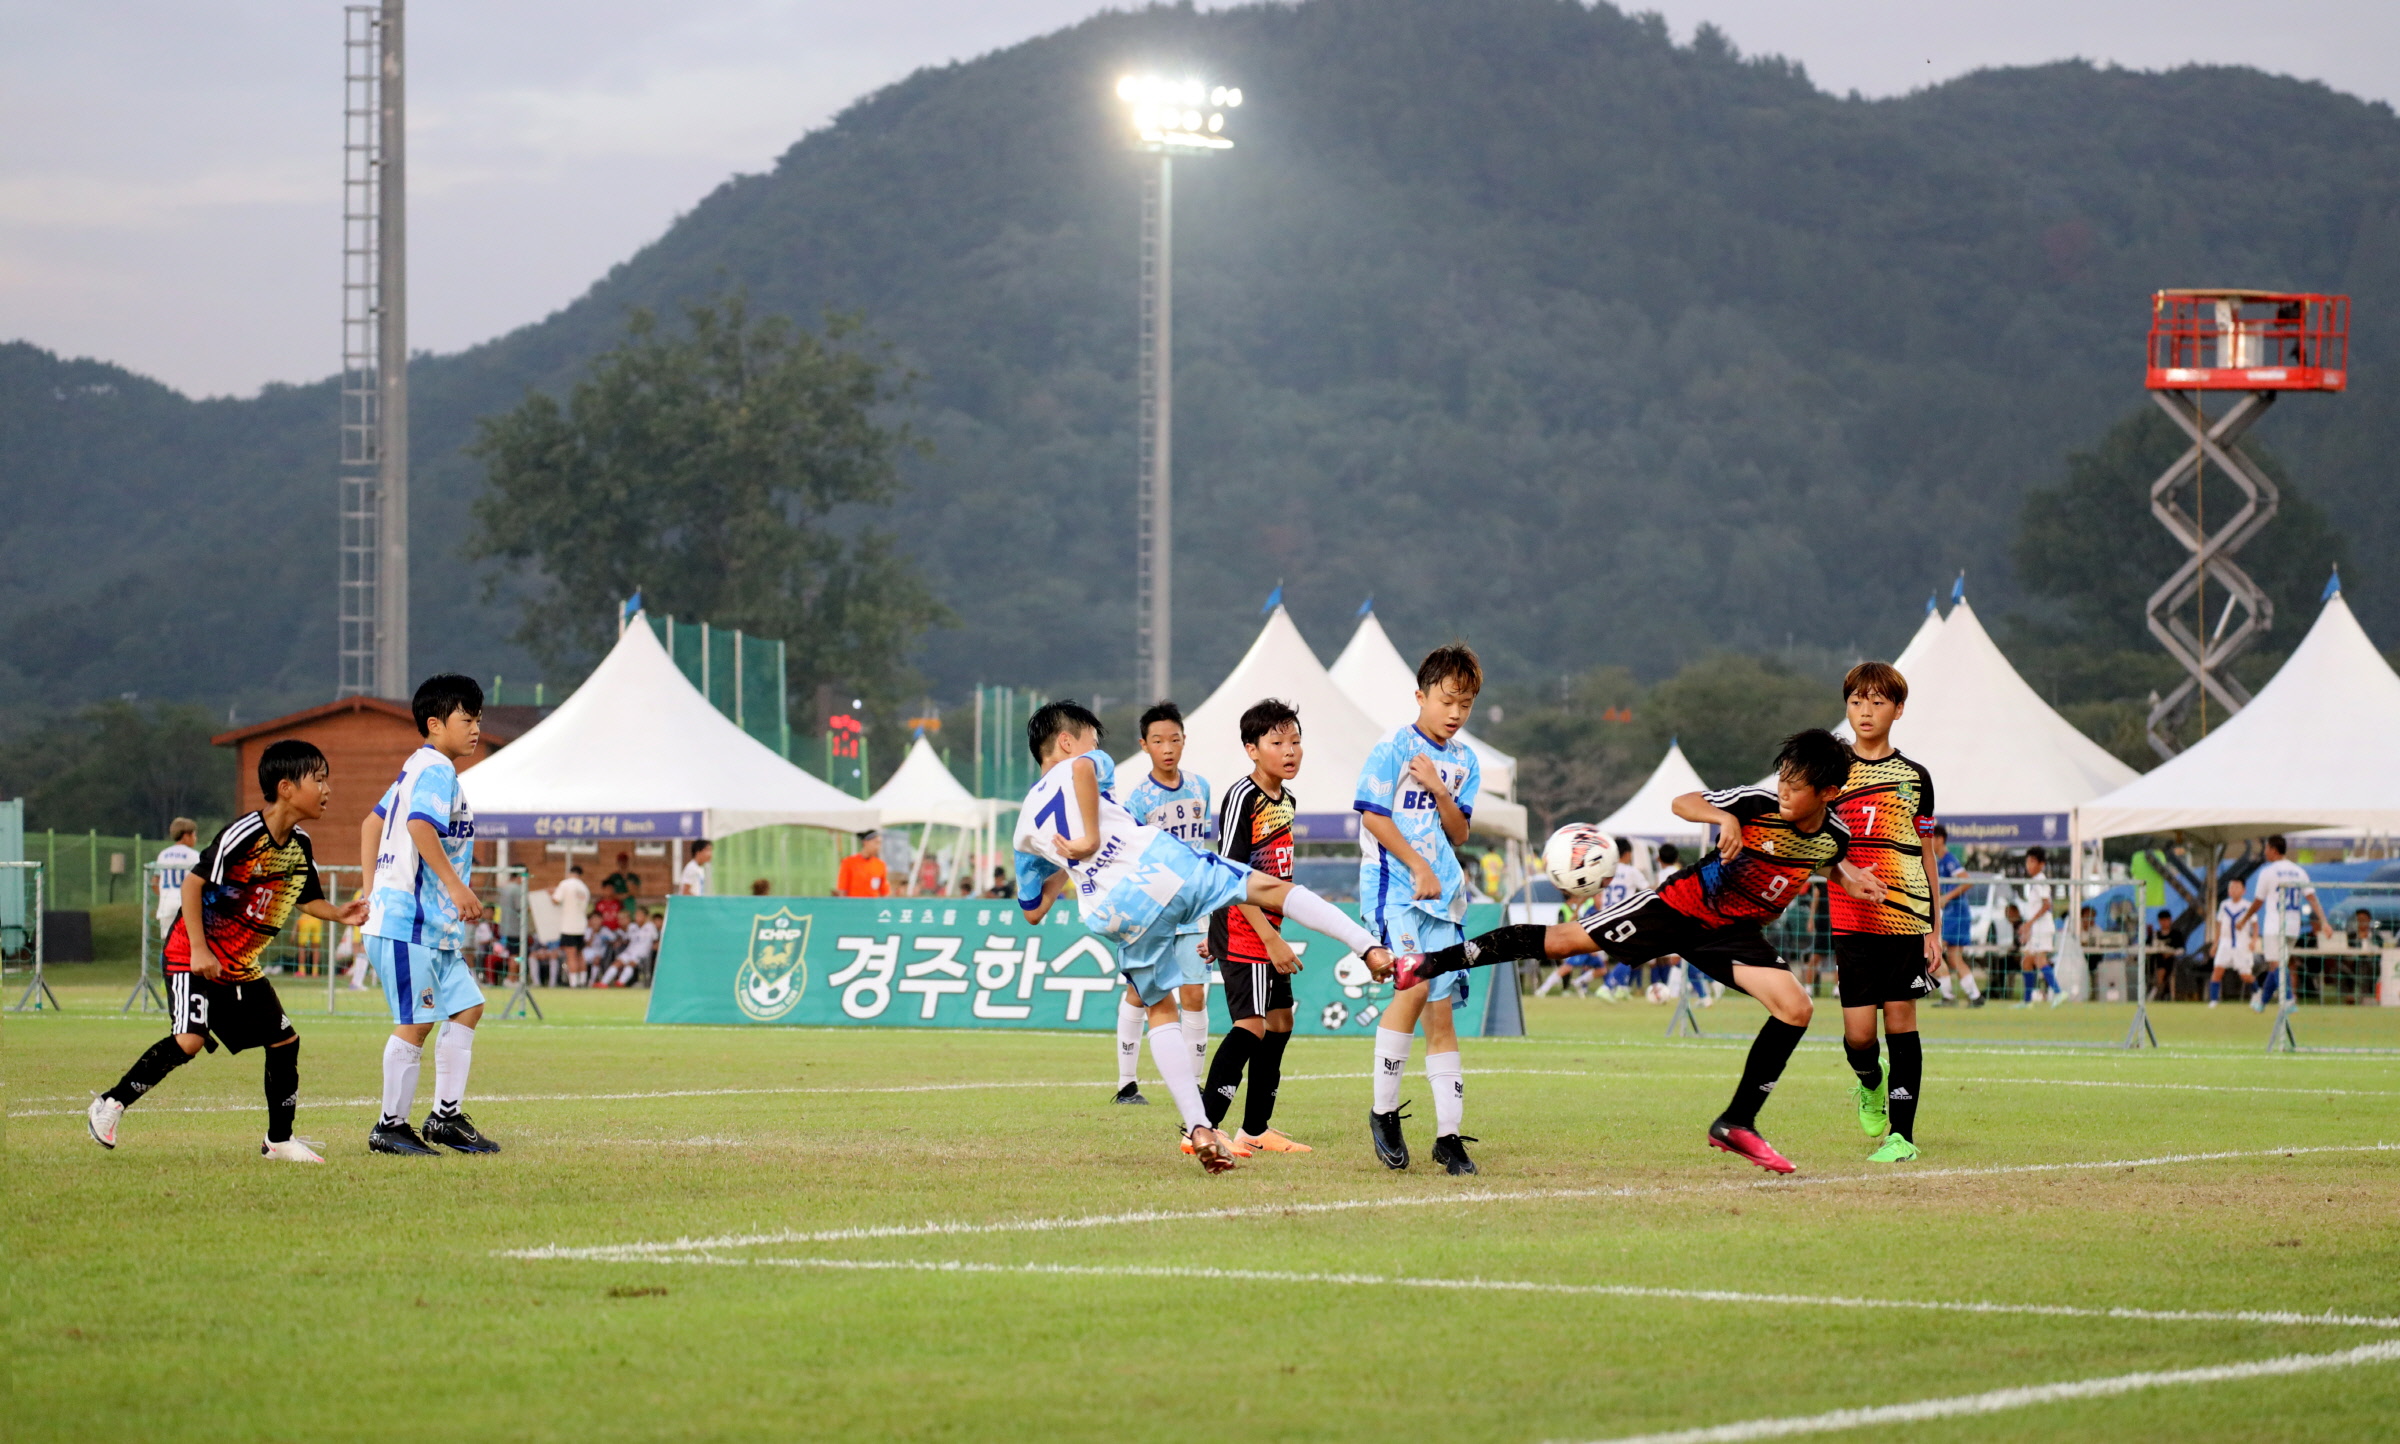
{"x": 1865, "y": 1062}
{"x": 1908, "y": 1082}
{"x": 283, "y": 1090}
{"x": 1509, "y": 944}
{"x": 1772, "y": 1049}
{"x": 165, "y": 1056}
{"x": 1225, "y": 1072}
{"x": 1266, "y": 1075}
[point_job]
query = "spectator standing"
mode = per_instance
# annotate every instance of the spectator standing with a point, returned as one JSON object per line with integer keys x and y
{"x": 694, "y": 882}
{"x": 1001, "y": 887}
{"x": 2233, "y": 933}
{"x": 862, "y": 873}
{"x": 2168, "y": 940}
{"x": 929, "y": 875}
{"x": 2279, "y": 885}
{"x": 625, "y": 885}
{"x": 574, "y": 899}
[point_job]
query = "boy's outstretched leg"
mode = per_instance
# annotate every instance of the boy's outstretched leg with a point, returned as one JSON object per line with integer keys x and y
{"x": 1736, "y": 1129}
{"x": 148, "y": 1071}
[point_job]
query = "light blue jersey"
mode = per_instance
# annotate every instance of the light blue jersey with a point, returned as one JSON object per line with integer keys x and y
{"x": 409, "y": 903}
{"x": 1140, "y": 887}
{"x": 1179, "y": 812}
{"x": 1385, "y": 885}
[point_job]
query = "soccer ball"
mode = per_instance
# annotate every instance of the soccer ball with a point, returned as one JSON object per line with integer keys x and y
{"x": 1580, "y": 858}
{"x": 1660, "y": 992}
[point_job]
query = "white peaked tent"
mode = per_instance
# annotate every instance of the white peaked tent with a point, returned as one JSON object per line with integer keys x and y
{"x": 1384, "y": 686}
{"x": 1648, "y": 814}
{"x": 922, "y": 790}
{"x": 1922, "y": 643}
{"x": 638, "y": 752}
{"x": 2319, "y": 746}
{"x": 1338, "y": 734}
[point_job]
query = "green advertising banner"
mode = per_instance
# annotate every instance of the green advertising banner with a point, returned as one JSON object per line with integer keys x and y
{"x": 953, "y": 963}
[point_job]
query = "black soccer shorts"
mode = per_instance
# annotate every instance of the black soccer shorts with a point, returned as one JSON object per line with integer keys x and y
{"x": 238, "y": 1015}
{"x": 1644, "y": 927}
{"x": 1253, "y": 990}
{"x": 1878, "y": 968}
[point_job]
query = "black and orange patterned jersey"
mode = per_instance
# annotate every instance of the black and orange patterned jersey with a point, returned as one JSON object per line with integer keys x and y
{"x": 1254, "y": 829}
{"x": 1888, "y": 806}
{"x": 250, "y": 885}
{"x": 1771, "y": 871}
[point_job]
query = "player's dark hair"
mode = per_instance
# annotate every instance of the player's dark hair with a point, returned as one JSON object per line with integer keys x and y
{"x": 1880, "y": 679}
{"x": 1455, "y": 662}
{"x": 1624, "y": 847}
{"x": 701, "y": 846}
{"x": 1265, "y": 716}
{"x": 1669, "y": 854}
{"x": 1941, "y": 829}
{"x": 442, "y": 694}
{"x": 2276, "y": 842}
{"x": 1051, "y": 719}
{"x": 1815, "y": 757}
{"x": 289, "y": 761}
{"x": 2035, "y": 854}
{"x": 1163, "y": 712}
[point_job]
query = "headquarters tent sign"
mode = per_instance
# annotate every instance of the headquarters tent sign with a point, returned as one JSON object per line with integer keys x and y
{"x": 950, "y": 963}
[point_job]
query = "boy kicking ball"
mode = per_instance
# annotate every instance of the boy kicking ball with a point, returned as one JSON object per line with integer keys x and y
{"x": 236, "y": 897}
{"x": 1714, "y": 914}
{"x": 1138, "y": 887}
{"x": 422, "y": 837}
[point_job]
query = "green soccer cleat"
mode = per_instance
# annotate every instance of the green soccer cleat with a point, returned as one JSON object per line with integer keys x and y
{"x": 1874, "y": 1115}
{"x": 1896, "y": 1149}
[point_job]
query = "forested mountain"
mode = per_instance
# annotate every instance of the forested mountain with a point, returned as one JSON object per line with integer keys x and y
{"x": 1543, "y": 330}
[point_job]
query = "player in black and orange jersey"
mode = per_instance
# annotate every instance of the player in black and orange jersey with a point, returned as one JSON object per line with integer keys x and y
{"x": 253, "y": 876}
{"x": 1714, "y": 913}
{"x": 1885, "y": 952}
{"x": 1254, "y": 827}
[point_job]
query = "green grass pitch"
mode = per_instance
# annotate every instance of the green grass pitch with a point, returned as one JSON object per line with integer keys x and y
{"x": 955, "y": 1236}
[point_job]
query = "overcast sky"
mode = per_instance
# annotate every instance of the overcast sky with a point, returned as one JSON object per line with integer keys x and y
{"x": 170, "y": 173}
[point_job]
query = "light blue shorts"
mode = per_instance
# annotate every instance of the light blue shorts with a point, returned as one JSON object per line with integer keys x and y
{"x": 1155, "y": 972}
{"x": 422, "y": 984}
{"x": 1411, "y": 930}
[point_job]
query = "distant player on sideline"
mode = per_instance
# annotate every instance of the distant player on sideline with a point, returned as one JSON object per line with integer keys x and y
{"x": 1254, "y": 827}
{"x": 1415, "y": 796}
{"x": 2037, "y": 932}
{"x": 1177, "y": 803}
{"x": 1884, "y": 952}
{"x": 2235, "y": 934}
{"x": 694, "y": 882}
{"x": 422, "y": 837}
{"x": 1137, "y": 887}
{"x": 236, "y": 897}
{"x": 1714, "y": 914}
{"x": 1958, "y": 924}
{"x": 178, "y": 857}
{"x": 2275, "y": 893}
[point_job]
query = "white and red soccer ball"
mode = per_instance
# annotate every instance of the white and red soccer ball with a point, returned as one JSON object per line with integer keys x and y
{"x": 1580, "y": 858}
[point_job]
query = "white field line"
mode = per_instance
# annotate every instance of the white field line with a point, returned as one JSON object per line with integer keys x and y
{"x": 229, "y": 1106}
{"x": 1999, "y": 1400}
{"x": 1348, "y": 1205}
{"x": 1520, "y": 1286}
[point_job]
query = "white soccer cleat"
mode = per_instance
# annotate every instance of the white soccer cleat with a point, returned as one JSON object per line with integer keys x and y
{"x": 291, "y": 1150}
{"x": 102, "y": 1118}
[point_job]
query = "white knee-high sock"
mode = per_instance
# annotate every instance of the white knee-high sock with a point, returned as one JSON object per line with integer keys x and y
{"x": 1195, "y": 1032}
{"x": 453, "y": 1055}
{"x": 399, "y": 1077}
{"x": 1391, "y": 1061}
{"x": 1449, "y": 1083}
{"x": 1174, "y": 1059}
{"x": 1967, "y": 985}
{"x": 1319, "y": 916}
{"x": 1132, "y": 1018}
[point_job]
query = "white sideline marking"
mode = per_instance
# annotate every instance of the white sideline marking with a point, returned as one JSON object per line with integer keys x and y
{"x": 1432, "y": 1200}
{"x": 2002, "y": 1399}
{"x": 1619, "y": 1291}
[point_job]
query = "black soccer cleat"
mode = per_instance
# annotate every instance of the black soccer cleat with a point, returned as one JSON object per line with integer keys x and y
{"x": 457, "y": 1131}
{"x": 398, "y": 1138}
{"x": 1450, "y": 1152}
{"x": 1383, "y": 1130}
{"x": 1131, "y": 1093}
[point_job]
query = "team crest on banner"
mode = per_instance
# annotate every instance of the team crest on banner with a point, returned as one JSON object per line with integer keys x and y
{"x": 775, "y": 973}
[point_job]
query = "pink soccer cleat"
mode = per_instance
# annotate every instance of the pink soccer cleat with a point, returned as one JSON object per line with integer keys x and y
{"x": 1745, "y": 1143}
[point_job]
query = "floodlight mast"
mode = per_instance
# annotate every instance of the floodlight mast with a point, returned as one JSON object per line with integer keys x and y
{"x": 372, "y": 586}
{"x": 1169, "y": 118}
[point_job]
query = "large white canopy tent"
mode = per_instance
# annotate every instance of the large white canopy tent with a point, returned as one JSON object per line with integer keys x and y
{"x": 637, "y": 753}
{"x": 1649, "y": 814}
{"x": 1338, "y": 733}
{"x": 2319, "y": 746}
{"x": 923, "y": 793}
{"x": 1384, "y": 686}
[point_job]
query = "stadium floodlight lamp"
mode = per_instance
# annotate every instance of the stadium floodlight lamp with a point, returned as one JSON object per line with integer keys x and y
{"x": 1177, "y": 116}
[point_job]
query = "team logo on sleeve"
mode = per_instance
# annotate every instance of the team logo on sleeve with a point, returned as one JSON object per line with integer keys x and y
{"x": 774, "y": 975}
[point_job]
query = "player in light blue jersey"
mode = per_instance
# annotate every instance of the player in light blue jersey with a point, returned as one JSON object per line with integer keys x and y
{"x": 422, "y": 837}
{"x": 1177, "y": 803}
{"x": 1415, "y": 796}
{"x": 1138, "y": 887}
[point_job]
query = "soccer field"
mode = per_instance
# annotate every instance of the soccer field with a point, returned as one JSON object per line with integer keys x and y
{"x": 764, "y": 1233}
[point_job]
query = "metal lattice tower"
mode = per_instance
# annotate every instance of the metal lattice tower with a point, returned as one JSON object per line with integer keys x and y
{"x": 373, "y": 577}
{"x": 2258, "y": 345}
{"x": 1154, "y": 561}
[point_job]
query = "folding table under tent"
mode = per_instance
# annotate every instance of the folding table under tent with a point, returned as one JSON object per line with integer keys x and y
{"x": 1384, "y": 686}
{"x": 922, "y": 792}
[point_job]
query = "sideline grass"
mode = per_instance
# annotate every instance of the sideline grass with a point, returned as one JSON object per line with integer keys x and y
{"x": 181, "y": 1288}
